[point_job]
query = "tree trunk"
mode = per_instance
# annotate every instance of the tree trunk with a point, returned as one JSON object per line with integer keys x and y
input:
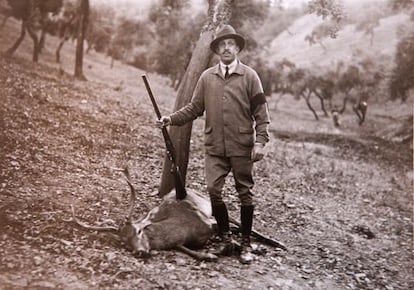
{"x": 42, "y": 40}
{"x": 36, "y": 43}
{"x": 12, "y": 49}
{"x": 57, "y": 53}
{"x": 219, "y": 13}
{"x": 82, "y": 26}
{"x": 307, "y": 99}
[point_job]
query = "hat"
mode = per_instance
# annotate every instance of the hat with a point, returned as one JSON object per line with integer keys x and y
{"x": 227, "y": 31}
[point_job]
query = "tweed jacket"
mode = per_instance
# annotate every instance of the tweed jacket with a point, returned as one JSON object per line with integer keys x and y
{"x": 237, "y": 115}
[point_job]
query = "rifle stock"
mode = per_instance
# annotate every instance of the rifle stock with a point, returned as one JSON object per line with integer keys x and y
{"x": 180, "y": 190}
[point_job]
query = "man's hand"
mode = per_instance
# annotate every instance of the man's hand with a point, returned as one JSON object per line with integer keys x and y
{"x": 164, "y": 121}
{"x": 258, "y": 152}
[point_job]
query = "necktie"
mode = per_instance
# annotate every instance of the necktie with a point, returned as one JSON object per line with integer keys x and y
{"x": 226, "y": 76}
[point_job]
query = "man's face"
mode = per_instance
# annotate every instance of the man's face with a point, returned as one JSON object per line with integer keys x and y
{"x": 227, "y": 49}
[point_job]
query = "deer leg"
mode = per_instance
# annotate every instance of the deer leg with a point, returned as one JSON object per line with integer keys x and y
{"x": 260, "y": 237}
{"x": 12, "y": 49}
{"x": 268, "y": 241}
{"x": 197, "y": 255}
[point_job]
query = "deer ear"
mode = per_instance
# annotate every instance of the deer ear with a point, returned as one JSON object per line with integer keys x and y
{"x": 127, "y": 231}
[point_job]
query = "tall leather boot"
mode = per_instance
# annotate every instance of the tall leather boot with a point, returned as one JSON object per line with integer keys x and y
{"x": 222, "y": 217}
{"x": 246, "y": 218}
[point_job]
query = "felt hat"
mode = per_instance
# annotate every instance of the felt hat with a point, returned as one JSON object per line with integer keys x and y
{"x": 227, "y": 31}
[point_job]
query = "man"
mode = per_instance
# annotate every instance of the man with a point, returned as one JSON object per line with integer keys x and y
{"x": 236, "y": 130}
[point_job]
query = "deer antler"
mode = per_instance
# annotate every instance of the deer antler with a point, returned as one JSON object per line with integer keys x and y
{"x": 110, "y": 229}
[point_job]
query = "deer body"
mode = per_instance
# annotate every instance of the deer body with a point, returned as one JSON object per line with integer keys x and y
{"x": 173, "y": 223}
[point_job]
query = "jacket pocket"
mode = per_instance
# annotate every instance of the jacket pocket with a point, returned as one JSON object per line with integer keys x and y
{"x": 244, "y": 130}
{"x": 208, "y": 136}
{"x": 246, "y": 136}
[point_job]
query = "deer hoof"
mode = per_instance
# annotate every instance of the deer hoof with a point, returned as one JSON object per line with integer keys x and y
{"x": 209, "y": 257}
{"x": 229, "y": 249}
{"x": 141, "y": 254}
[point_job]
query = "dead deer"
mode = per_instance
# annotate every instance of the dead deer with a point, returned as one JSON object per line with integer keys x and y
{"x": 181, "y": 224}
{"x": 174, "y": 224}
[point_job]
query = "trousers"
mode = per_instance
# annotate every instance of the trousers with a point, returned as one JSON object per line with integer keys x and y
{"x": 216, "y": 170}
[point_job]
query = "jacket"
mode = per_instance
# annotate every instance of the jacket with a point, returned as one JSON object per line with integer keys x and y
{"x": 237, "y": 115}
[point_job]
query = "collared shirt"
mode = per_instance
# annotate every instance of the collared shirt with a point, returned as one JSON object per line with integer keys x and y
{"x": 231, "y": 66}
{"x": 237, "y": 115}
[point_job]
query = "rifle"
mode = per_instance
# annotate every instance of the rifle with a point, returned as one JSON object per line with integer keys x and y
{"x": 180, "y": 190}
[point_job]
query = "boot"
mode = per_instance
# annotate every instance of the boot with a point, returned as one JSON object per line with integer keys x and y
{"x": 246, "y": 217}
{"x": 222, "y": 217}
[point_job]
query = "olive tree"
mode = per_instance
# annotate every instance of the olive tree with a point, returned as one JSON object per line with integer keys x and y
{"x": 82, "y": 27}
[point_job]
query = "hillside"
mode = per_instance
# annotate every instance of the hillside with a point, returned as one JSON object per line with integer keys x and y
{"x": 350, "y": 45}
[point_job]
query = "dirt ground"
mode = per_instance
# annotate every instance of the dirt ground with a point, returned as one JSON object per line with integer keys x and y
{"x": 340, "y": 198}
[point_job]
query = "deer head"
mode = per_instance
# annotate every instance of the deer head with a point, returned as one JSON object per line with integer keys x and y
{"x": 172, "y": 224}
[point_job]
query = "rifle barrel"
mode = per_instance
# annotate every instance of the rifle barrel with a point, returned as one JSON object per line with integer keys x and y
{"x": 180, "y": 190}
{"x": 154, "y": 103}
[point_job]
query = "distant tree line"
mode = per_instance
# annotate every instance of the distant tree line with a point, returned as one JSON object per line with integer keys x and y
{"x": 401, "y": 79}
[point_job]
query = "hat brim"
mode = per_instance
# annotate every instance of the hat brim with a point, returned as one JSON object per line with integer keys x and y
{"x": 239, "y": 40}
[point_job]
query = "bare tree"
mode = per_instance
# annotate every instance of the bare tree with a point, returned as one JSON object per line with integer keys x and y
{"x": 83, "y": 25}
{"x": 32, "y": 14}
{"x": 318, "y": 34}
